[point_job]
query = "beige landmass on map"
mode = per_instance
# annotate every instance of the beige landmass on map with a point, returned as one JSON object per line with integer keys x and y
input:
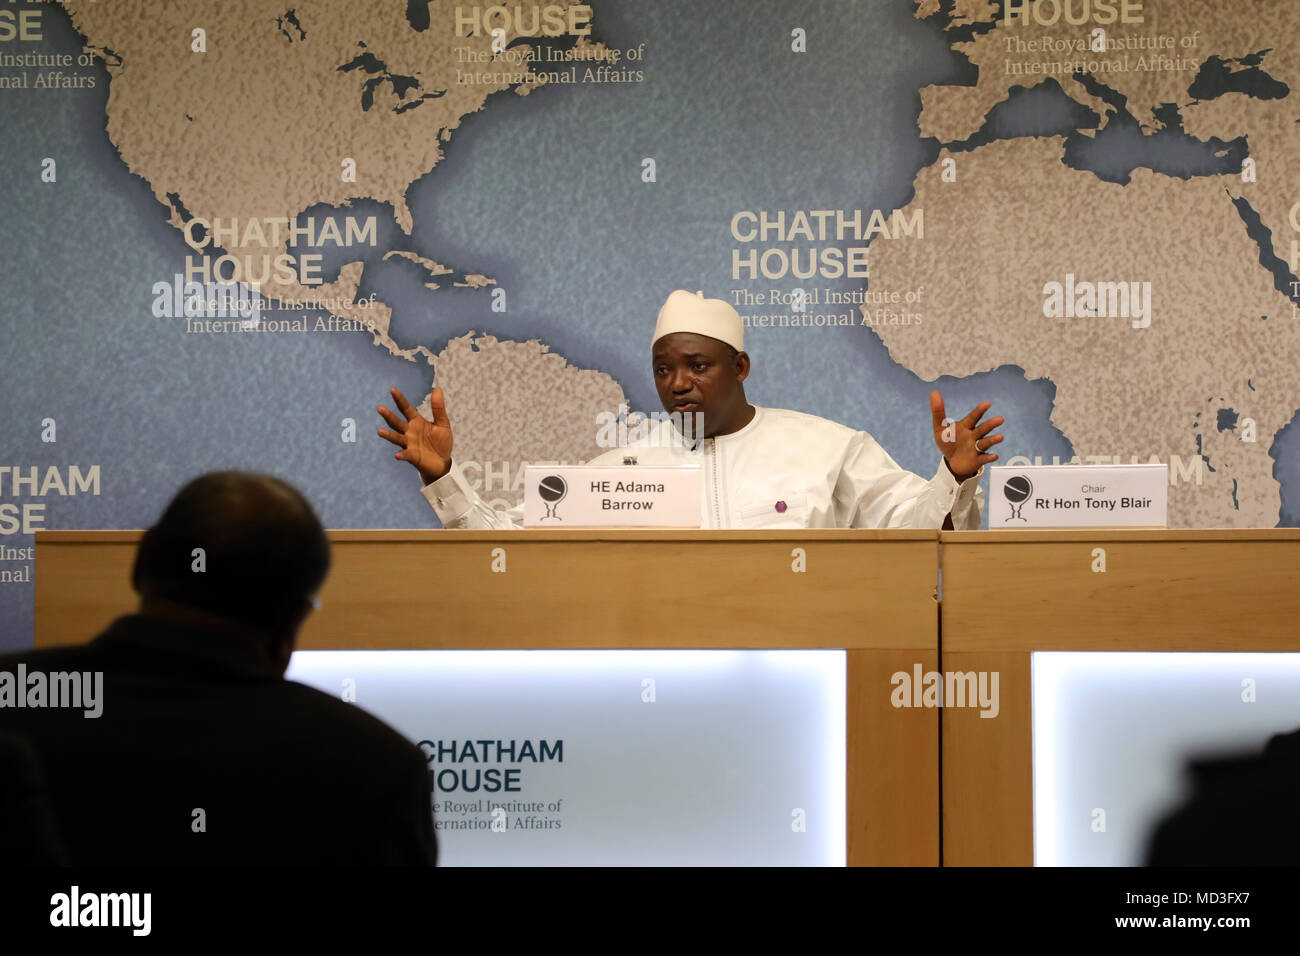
{"x": 516, "y": 402}
{"x": 258, "y": 126}
{"x": 431, "y": 267}
{"x": 1273, "y": 135}
{"x": 1226, "y": 30}
{"x": 472, "y": 280}
{"x": 963, "y": 11}
{"x": 1018, "y": 218}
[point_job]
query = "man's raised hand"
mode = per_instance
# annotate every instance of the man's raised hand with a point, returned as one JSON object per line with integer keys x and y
{"x": 426, "y": 445}
{"x": 957, "y": 439}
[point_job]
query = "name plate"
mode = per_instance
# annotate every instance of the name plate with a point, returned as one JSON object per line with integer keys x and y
{"x": 1078, "y": 496}
{"x": 620, "y": 496}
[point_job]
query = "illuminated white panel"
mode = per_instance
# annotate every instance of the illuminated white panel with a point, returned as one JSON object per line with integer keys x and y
{"x": 1113, "y": 732}
{"x": 709, "y": 773}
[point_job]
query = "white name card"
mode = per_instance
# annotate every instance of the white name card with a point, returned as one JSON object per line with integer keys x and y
{"x": 1078, "y": 496}
{"x": 621, "y": 496}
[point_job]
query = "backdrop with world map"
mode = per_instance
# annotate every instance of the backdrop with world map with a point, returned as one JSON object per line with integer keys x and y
{"x": 1083, "y": 211}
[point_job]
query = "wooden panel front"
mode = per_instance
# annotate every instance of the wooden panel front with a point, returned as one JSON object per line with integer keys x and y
{"x": 82, "y": 582}
{"x": 988, "y": 777}
{"x": 893, "y": 764}
{"x": 1161, "y": 590}
{"x": 447, "y": 589}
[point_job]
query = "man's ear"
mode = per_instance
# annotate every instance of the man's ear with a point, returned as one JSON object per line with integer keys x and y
{"x": 741, "y": 362}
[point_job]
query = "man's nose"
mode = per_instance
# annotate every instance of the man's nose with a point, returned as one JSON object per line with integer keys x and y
{"x": 680, "y": 382}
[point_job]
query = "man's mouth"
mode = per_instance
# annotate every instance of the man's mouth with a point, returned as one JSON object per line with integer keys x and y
{"x": 686, "y": 406}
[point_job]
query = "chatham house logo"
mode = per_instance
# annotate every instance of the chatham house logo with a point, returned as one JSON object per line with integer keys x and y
{"x": 1017, "y": 491}
{"x": 552, "y": 490}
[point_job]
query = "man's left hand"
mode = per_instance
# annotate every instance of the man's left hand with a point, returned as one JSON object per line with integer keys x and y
{"x": 957, "y": 439}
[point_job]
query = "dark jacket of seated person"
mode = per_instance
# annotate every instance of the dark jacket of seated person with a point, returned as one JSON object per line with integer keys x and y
{"x": 202, "y": 753}
{"x": 28, "y": 835}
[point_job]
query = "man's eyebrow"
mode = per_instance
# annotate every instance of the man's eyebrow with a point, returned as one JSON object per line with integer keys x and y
{"x": 663, "y": 356}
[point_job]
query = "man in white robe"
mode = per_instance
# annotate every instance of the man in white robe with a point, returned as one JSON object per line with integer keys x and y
{"x": 762, "y": 467}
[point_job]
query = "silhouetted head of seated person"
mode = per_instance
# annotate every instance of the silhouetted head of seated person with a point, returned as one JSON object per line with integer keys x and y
{"x": 239, "y": 554}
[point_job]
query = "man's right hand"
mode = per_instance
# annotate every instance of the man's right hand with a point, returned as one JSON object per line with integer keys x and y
{"x": 426, "y": 445}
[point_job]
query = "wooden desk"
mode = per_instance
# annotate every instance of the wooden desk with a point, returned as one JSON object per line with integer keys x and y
{"x": 1007, "y": 594}
{"x": 870, "y": 592}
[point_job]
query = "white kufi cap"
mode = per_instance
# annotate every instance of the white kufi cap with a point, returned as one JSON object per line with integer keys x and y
{"x": 684, "y": 312}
